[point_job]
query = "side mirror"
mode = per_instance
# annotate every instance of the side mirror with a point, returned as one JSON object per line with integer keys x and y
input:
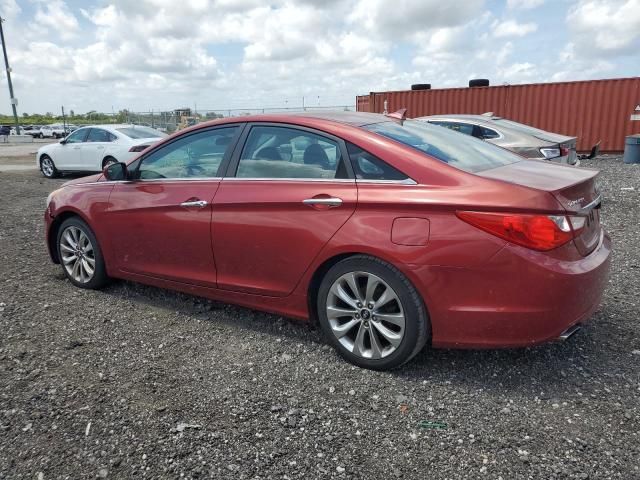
{"x": 116, "y": 171}
{"x": 63, "y": 141}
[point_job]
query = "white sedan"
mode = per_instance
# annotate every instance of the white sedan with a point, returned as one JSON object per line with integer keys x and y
{"x": 90, "y": 149}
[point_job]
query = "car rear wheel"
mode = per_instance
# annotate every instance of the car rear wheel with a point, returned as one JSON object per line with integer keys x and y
{"x": 371, "y": 313}
{"x": 80, "y": 255}
{"x": 47, "y": 167}
{"x": 40, "y": 135}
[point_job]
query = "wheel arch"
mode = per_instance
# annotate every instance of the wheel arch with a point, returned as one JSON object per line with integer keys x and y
{"x": 105, "y": 158}
{"x": 323, "y": 268}
{"x": 52, "y": 236}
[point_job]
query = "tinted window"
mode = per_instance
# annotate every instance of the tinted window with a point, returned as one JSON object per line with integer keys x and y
{"x": 465, "y": 128}
{"x": 369, "y": 167}
{"x": 99, "y": 135}
{"x": 461, "y": 151}
{"x": 141, "y": 132}
{"x": 196, "y": 155}
{"x": 520, "y": 127}
{"x": 487, "y": 133}
{"x": 280, "y": 152}
{"x": 77, "y": 136}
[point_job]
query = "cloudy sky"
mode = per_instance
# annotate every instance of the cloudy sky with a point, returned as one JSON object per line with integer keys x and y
{"x": 222, "y": 54}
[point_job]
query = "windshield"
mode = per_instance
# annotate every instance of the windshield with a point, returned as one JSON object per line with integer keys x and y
{"x": 521, "y": 127}
{"x": 141, "y": 132}
{"x": 458, "y": 150}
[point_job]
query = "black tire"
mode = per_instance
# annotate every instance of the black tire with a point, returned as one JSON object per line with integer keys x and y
{"x": 52, "y": 172}
{"x": 421, "y": 86}
{"x": 479, "y": 82}
{"x": 417, "y": 329}
{"x": 99, "y": 278}
{"x": 40, "y": 135}
{"x": 108, "y": 161}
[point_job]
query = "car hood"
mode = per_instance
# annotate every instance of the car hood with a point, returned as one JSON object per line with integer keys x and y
{"x": 81, "y": 180}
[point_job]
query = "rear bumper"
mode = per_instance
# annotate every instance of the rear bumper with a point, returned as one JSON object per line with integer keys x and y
{"x": 519, "y": 298}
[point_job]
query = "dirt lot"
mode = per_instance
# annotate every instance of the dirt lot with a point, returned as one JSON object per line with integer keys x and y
{"x": 137, "y": 381}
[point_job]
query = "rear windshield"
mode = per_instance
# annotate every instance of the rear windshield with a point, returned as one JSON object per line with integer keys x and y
{"x": 460, "y": 151}
{"x": 536, "y": 132}
{"x": 141, "y": 132}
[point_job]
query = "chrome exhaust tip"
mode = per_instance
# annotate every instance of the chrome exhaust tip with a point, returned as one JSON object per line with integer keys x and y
{"x": 569, "y": 332}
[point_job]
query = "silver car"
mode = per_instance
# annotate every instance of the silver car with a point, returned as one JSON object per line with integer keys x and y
{"x": 522, "y": 139}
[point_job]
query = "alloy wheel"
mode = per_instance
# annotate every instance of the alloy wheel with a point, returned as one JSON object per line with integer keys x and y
{"x": 365, "y": 315}
{"x": 78, "y": 256}
{"x": 47, "y": 166}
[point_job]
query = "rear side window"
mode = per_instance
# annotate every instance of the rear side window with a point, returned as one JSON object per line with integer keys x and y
{"x": 99, "y": 135}
{"x": 282, "y": 152}
{"x": 369, "y": 167}
{"x": 461, "y": 151}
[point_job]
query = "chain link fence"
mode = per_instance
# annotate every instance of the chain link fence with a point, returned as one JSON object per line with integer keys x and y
{"x": 170, "y": 121}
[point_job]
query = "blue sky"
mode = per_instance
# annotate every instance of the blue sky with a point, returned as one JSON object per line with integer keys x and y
{"x": 224, "y": 54}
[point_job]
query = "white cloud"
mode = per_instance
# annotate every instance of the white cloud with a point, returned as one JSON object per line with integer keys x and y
{"x": 511, "y": 28}
{"x": 601, "y": 28}
{"x": 524, "y": 4}
{"x": 56, "y": 16}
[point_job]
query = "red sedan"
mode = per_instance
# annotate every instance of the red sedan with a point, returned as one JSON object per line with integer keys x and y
{"x": 390, "y": 233}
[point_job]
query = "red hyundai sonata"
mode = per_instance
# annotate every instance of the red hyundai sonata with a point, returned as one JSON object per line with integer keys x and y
{"x": 390, "y": 233}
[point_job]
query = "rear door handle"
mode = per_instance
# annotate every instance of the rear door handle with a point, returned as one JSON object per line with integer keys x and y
{"x": 194, "y": 203}
{"x": 325, "y": 202}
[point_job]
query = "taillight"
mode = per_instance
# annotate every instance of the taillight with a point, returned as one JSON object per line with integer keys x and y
{"x": 138, "y": 148}
{"x": 550, "y": 153}
{"x": 564, "y": 151}
{"x": 538, "y": 232}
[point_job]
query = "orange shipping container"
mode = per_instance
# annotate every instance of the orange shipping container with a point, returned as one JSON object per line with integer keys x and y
{"x": 593, "y": 110}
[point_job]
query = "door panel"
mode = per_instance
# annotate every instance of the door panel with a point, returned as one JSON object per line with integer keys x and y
{"x": 153, "y": 234}
{"x": 265, "y": 237}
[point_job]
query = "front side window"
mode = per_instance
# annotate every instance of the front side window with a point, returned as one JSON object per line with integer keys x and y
{"x": 198, "y": 155}
{"x": 99, "y": 135}
{"x": 461, "y": 151}
{"x": 281, "y": 152}
{"x": 77, "y": 136}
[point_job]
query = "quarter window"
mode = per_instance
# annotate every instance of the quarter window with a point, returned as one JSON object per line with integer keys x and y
{"x": 198, "y": 155}
{"x": 487, "y": 133}
{"x": 369, "y": 167}
{"x": 281, "y": 152}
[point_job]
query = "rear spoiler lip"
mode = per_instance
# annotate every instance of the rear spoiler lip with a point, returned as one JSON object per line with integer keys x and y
{"x": 595, "y": 203}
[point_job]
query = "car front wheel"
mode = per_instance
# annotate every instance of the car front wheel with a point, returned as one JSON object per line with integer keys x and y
{"x": 47, "y": 167}
{"x": 371, "y": 313}
{"x": 80, "y": 255}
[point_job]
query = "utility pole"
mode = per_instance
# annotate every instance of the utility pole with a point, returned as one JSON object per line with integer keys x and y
{"x": 14, "y": 101}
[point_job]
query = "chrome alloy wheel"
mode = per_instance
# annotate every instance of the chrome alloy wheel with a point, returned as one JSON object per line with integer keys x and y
{"x": 47, "y": 166}
{"x": 365, "y": 315}
{"x": 77, "y": 254}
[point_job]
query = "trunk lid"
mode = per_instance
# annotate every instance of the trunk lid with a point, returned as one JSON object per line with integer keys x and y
{"x": 574, "y": 188}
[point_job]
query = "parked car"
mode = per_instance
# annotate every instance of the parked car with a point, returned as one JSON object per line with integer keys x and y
{"x": 390, "y": 233}
{"x": 52, "y": 131}
{"x": 524, "y": 140}
{"x": 90, "y": 149}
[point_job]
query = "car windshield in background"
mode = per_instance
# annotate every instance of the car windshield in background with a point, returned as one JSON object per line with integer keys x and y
{"x": 521, "y": 128}
{"x": 460, "y": 151}
{"x": 141, "y": 132}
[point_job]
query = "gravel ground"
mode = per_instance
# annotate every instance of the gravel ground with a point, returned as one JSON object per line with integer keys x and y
{"x": 137, "y": 381}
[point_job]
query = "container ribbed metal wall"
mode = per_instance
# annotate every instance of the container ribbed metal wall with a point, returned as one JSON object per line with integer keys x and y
{"x": 594, "y": 110}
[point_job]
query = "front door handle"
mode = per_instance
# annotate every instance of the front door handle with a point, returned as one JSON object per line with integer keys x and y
{"x": 194, "y": 203}
{"x": 330, "y": 202}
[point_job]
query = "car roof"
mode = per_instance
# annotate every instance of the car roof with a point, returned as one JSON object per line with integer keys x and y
{"x": 356, "y": 119}
{"x": 475, "y": 118}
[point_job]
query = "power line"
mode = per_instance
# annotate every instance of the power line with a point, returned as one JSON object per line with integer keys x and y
{"x": 14, "y": 101}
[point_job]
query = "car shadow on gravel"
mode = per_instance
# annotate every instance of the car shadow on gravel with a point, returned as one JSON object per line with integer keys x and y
{"x": 551, "y": 367}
